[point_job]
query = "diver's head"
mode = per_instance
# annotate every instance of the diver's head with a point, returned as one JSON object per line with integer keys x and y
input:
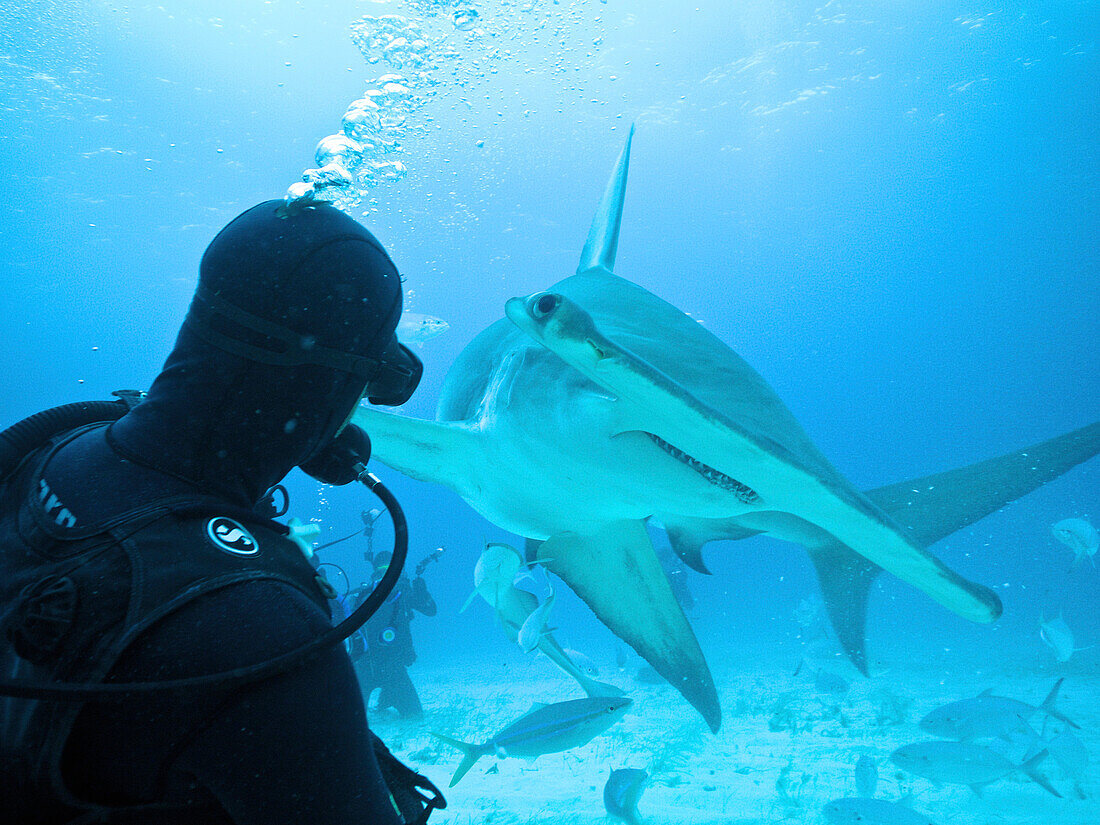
{"x": 309, "y": 286}
{"x": 381, "y": 563}
{"x": 291, "y": 324}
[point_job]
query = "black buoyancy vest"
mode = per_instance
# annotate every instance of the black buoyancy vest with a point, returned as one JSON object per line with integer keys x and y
{"x": 74, "y": 594}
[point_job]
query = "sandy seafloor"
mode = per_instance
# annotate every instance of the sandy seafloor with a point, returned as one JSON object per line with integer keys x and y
{"x": 748, "y": 773}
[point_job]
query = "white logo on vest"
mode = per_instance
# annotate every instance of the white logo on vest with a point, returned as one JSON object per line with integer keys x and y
{"x": 230, "y": 536}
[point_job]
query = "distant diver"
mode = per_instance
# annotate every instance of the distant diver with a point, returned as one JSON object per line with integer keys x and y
{"x": 382, "y": 650}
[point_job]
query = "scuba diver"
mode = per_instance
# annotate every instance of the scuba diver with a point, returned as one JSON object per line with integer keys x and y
{"x": 384, "y": 647}
{"x": 137, "y": 547}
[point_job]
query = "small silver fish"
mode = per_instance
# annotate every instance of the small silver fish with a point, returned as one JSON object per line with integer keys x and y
{"x": 1058, "y": 637}
{"x": 1080, "y": 537}
{"x": 415, "y": 328}
{"x": 807, "y": 612}
{"x": 961, "y": 763}
{"x": 825, "y": 681}
{"x": 533, "y": 579}
{"x": 987, "y": 716}
{"x": 534, "y": 626}
{"x": 585, "y": 663}
{"x": 545, "y": 729}
{"x": 495, "y": 574}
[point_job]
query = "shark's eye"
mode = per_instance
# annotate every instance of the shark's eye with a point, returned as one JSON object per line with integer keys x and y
{"x": 545, "y": 304}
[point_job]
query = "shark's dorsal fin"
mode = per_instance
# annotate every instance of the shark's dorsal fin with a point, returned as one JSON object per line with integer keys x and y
{"x": 598, "y": 255}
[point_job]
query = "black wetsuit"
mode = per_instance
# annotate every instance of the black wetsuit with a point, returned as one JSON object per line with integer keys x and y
{"x": 289, "y": 749}
{"x": 385, "y": 648}
{"x": 265, "y": 754}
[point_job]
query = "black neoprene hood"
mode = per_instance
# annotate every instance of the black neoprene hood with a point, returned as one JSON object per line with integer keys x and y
{"x": 315, "y": 272}
{"x": 293, "y": 315}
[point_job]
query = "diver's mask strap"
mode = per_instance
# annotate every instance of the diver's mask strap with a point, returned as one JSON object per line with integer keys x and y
{"x": 270, "y": 343}
{"x": 390, "y": 380}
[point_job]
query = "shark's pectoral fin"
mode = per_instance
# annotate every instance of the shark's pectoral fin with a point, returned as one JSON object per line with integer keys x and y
{"x": 617, "y": 574}
{"x": 424, "y": 450}
{"x": 845, "y": 577}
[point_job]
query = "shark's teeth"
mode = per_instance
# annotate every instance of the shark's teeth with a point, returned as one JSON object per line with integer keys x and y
{"x": 743, "y": 492}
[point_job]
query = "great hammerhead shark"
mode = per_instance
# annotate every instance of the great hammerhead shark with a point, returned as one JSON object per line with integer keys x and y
{"x": 596, "y": 406}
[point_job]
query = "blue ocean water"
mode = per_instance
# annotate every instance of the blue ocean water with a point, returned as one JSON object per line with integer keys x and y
{"x": 889, "y": 210}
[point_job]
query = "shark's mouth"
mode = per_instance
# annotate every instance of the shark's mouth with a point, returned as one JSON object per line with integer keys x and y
{"x": 743, "y": 492}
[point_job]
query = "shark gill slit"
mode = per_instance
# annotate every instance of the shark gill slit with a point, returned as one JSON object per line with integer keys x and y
{"x": 743, "y": 492}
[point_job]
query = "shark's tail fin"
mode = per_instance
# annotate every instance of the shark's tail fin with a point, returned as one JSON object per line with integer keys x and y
{"x": 471, "y": 752}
